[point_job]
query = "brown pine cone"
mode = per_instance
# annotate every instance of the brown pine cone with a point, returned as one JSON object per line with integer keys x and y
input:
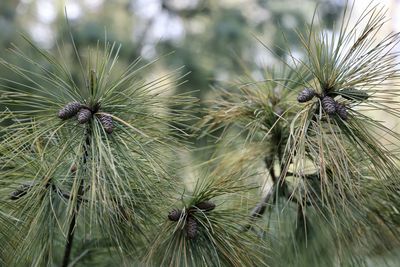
{"x": 306, "y": 95}
{"x": 191, "y": 227}
{"x": 174, "y": 215}
{"x": 329, "y": 105}
{"x": 107, "y": 122}
{"x": 341, "y": 110}
{"x": 69, "y": 110}
{"x": 84, "y": 115}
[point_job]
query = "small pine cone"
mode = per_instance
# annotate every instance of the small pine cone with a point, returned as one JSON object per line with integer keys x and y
{"x": 306, "y": 95}
{"x": 21, "y": 191}
{"x": 341, "y": 110}
{"x": 205, "y": 205}
{"x": 191, "y": 228}
{"x": 84, "y": 115}
{"x": 174, "y": 215}
{"x": 329, "y": 105}
{"x": 107, "y": 123}
{"x": 69, "y": 110}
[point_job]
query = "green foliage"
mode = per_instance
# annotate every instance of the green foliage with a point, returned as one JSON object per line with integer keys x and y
{"x": 219, "y": 240}
{"x": 325, "y": 157}
{"x": 109, "y": 179}
{"x": 96, "y": 165}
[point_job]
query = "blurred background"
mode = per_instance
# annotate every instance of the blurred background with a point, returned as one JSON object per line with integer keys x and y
{"x": 215, "y": 40}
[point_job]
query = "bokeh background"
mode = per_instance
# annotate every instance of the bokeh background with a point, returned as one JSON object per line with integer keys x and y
{"x": 213, "y": 40}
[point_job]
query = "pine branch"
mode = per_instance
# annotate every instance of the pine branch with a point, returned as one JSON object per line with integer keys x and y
{"x": 72, "y": 226}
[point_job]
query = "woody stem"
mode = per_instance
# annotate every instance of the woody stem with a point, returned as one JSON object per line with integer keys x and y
{"x": 72, "y": 225}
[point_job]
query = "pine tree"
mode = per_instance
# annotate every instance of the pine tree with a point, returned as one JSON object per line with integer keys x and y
{"x": 91, "y": 172}
{"x": 333, "y": 171}
{"x": 87, "y": 161}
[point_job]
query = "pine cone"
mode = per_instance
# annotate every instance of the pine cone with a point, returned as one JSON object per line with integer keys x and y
{"x": 306, "y": 95}
{"x": 21, "y": 191}
{"x": 341, "y": 110}
{"x": 329, "y": 105}
{"x": 84, "y": 115}
{"x": 205, "y": 205}
{"x": 174, "y": 215}
{"x": 107, "y": 123}
{"x": 191, "y": 228}
{"x": 69, "y": 110}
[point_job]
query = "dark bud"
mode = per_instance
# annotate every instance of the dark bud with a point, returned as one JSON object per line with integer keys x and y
{"x": 341, "y": 110}
{"x": 205, "y": 205}
{"x": 107, "y": 122}
{"x": 69, "y": 110}
{"x": 73, "y": 168}
{"x": 268, "y": 160}
{"x": 84, "y": 115}
{"x": 174, "y": 215}
{"x": 21, "y": 191}
{"x": 306, "y": 95}
{"x": 329, "y": 105}
{"x": 191, "y": 228}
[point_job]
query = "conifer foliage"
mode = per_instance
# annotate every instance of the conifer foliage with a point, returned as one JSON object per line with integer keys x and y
{"x": 87, "y": 159}
{"x": 322, "y": 152}
{"x": 300, "y": 174}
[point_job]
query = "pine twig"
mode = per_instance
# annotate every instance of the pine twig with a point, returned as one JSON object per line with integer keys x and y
{"x": 278, "y": 183}
{"x": 72, "y": 225}
{"x": 259, "y": 210}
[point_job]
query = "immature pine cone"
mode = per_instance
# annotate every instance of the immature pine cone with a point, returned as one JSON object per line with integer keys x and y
{"x": 341, "y": 110}
{"x": 306, "y": 95}
{"x": 84, "y": 115}
{"x": 69, "y": 110}
{"x": 191, "y": 227}
{"x": 174, "y": 215}
{"x": 329, "y": 105}
{"x": 205, "y": 205}
{"x": 107, "y": 123}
